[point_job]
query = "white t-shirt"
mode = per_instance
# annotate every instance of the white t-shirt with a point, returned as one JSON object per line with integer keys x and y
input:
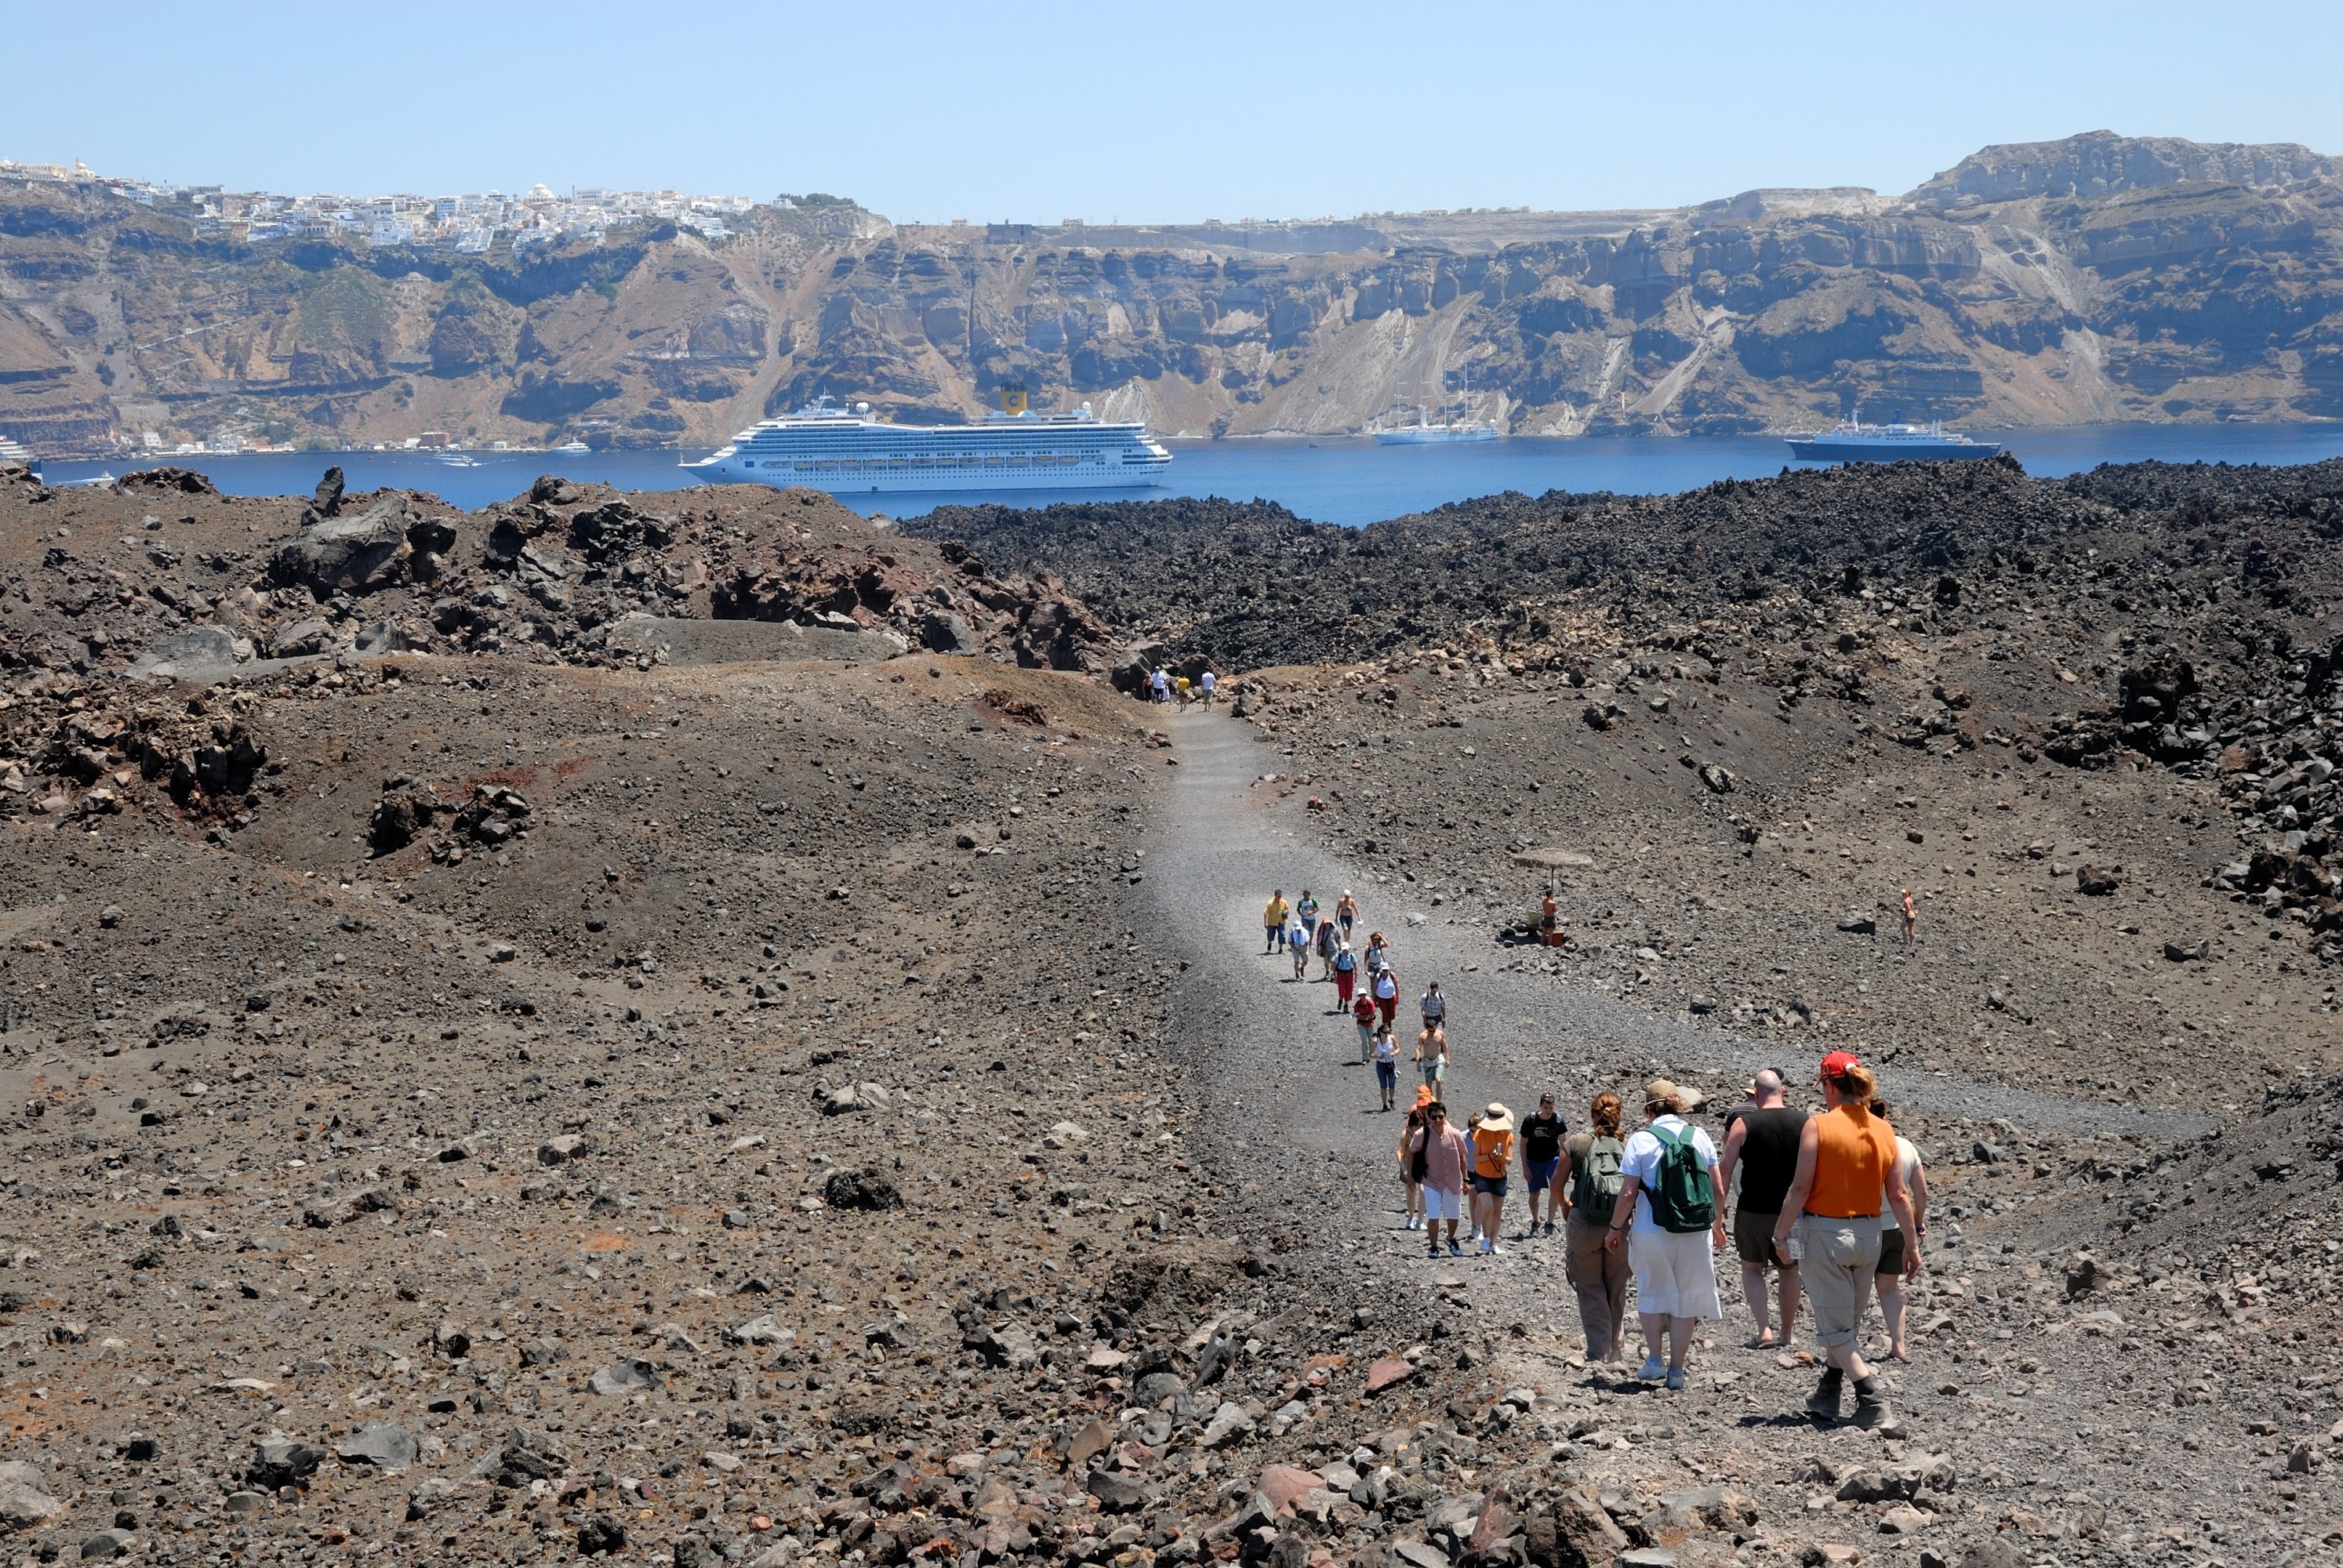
{"x": 1386, "y": 987}
{"x": 1208, "y": 680}
{"x": 1907, "y": 1159}
{"x": 1642, "y": 1161}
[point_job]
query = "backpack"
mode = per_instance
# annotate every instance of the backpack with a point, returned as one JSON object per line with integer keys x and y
{"x": 1595, "y": 1185}
{"x": 1681, "y": 1199}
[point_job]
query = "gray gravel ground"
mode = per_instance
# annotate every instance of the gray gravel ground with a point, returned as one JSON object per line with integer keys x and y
{"x": 1289, "y": 1118}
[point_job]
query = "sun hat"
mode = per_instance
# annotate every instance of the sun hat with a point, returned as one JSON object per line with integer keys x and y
{"x": 1662, "y": 1089}
{"x": 1497, "y": 1119}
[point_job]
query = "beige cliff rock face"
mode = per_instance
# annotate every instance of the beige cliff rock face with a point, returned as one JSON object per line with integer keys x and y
{"x": 2101, "y": 278}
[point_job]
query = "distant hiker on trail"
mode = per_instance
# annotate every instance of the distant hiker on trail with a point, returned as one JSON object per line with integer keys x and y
{"x": 1328, "y": 940}
{"x": 1893, "y": 1306}
{"x": 1386, "y": 989}
{"x": 1549, "y": 916}
{"x": 1272, "y": 921}
{"x": 1211, "y": 685}
{"x": 1386, "y": 1051}
{"x": 1447, "y": 1154}
{"x": 1306, "y": 909}
{"x": 1846, "y": 1162}
{"x": 1411, "y": 1159}
{"x": 1493, "y": 1159}
{"x": 1363, "y": 1013}
{"x": 1430, "y": 1056}
{"x": 1161, "y": 681}
{"x": 1542, "y": 1134}
{"x": 1346, "y": 913}
{"x": 1378, "y": 952}
{"x": 1587, "y": 1184}
{"x": 1297, "y": 944}
{"x": 1911, "y": 915}
{"x": 1433, "y": 1006}
{"x": 1667, "y": 1194}
{"x": 1761, "y": 1144}
{"x": 1346, "y": 974}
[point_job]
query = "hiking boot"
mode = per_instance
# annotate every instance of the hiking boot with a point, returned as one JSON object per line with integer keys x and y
{"x": 1823, "y": 1401}
{"x": 1871, "y": 1409}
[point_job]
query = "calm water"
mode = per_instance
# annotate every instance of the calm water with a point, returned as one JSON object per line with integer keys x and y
{"x": 1338, "y": 481}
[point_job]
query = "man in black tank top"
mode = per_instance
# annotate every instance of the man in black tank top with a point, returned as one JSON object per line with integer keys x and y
{"x": 1763, "y": 1149}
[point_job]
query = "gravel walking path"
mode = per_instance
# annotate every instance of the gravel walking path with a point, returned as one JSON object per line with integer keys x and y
{"x": 1291, "y": 1120}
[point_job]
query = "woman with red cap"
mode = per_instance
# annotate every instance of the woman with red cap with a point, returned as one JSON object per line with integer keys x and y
{"x": 1847, "y": 1164}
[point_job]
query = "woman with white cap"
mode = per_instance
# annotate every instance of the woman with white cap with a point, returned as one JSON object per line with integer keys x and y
{"x": 1667, "y": 1196}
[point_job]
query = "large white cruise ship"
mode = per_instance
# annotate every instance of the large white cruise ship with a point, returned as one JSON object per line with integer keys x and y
{"x": 843, "y": 449}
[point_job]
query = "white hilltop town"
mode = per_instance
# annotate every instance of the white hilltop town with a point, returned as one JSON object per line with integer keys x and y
{"x": 471, "y": 224}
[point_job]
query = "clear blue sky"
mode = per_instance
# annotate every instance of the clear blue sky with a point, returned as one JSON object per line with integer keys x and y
{"x": 1167, "y": 112}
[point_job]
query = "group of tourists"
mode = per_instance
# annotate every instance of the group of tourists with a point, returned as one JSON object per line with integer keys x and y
{"x": 1831, "y": 1204}
{"x": 1165, "y": 688}
{"x": 1366, "y": 985}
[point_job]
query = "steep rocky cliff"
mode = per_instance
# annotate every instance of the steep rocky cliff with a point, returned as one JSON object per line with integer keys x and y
{"x": 2100, "y": 277}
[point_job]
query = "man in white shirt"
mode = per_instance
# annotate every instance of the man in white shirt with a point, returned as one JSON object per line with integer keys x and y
{"x": 1209, "y": 683}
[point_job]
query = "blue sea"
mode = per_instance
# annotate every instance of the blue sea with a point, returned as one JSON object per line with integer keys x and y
{"x": 1351, "y": 481}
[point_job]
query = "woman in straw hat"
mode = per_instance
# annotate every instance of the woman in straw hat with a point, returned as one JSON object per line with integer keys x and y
{"x": 1493, "y": 1157}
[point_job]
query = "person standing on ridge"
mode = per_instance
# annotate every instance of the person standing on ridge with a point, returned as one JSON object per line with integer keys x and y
{"x": 1761, "y": 1144}
{"x": 1542, "y": 1135}
{"x": 1911, "y": 917}
{"x": 1587, "y": 1183}
{"x": 1447, "y": 1156}
{"x": 1272, "y": 921}
{"x": 1846, "y": 1162}
{"x": 1668, "y": 1195}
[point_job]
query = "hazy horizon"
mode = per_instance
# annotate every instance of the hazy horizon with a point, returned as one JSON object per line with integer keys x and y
{"x": 1058, "y": 111}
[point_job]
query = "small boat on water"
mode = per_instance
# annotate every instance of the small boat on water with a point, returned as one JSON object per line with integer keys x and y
{"x": 1852, "y": 441}
{"x": 573, "y": 448}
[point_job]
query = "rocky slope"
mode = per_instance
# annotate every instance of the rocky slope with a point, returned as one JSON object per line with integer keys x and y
{"x": 516, "y": 1098}
{"x": 2101, "y": 278}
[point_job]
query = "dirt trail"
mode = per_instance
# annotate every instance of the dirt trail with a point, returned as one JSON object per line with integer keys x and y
{"x": 1288, "y": 1107}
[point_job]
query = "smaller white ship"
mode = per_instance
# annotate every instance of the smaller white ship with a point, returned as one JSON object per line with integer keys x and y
{"x": 1447, "y": 433}
{"x": 574, "y": 447}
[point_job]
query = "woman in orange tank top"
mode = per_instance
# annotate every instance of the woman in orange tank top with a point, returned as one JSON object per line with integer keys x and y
{"x": 1846, "y": 1167}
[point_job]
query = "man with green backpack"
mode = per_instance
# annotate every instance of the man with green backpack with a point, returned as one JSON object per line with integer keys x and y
{"x": 1667, "y": 1199}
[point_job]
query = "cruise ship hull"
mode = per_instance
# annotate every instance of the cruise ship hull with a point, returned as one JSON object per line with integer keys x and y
{"x": 847, "y": 452}
{"x": 1823, "y": 450}
{"x": 940, "y": 477}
